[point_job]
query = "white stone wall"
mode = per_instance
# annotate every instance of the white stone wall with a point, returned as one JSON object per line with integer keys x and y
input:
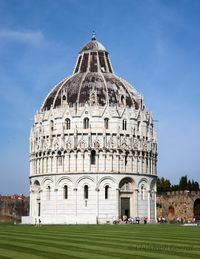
{"x": 76, "y": 209}
{"x": 61, "y": 156}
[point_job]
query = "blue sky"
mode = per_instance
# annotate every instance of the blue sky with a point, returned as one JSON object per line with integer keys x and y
{"x": 155, "y": 45}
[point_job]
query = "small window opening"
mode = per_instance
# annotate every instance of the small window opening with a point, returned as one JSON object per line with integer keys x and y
{"x": 93, "y": 157}
{"x": 106, "y": 191}
{"x": 65, "y": 192}
{"x": 106, "y": 120}
{"x": 51, "y": 125}
{"x": 122, "y": 100}
{"x": 86, "y": 192}
{"x": 138, "y": 125}
{"x": 126, "y": 157}
{"x": 67, "y": 124}
{"x": 124, "y": 124}
{"x": 86, "y": 123}
{"x": 39, "y": 209}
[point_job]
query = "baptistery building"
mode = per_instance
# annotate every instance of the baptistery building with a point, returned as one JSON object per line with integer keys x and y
{"x": 93, "y": 148}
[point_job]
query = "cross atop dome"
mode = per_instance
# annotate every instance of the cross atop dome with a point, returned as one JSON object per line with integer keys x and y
{"x": 93, "y": 35}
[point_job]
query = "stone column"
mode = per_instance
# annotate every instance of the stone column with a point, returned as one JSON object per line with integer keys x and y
{"x": 153, "y": 167}
{"x": 136, "y": 201}
{"x": 141, "y": 163}
{"x": 42, "y": 165}
{"x": 75, "y": 160}
{"x": 89, "y": 162}
{"x": 46, "y": 165}
{"x": 118, "y": 162}
{"x": 155, "y": 209}
{"x": 51, "y": 162}
{"x": 122, "y": 163}
{"x": 63, "y": 163}
{"x": 149, "y": 202}
{"x": 39, "y": 166}
{"x": 104, "y": 154}
{"x": 97, "y": 156}
{"x": 137, "y": 162}
{"x": 117, "y": 203}
{"x": 131, "y": 161}
{"x": 111, "y": 161}
{"x": 56, "y": 161}
{"x": 82, "y": 154}
{"x": 97, "y": 203}
{"x": 76, "y": 205}
{"x": 145, "y": 163}
{"x": 149, "y": 164}
{"x": 68, "y": 161}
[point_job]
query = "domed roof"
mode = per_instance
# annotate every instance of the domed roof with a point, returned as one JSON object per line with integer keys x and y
{"x": 93, "y": 45}
{"x": 92, "y": 83}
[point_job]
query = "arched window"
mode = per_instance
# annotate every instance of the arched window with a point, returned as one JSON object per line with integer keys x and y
{"x": 93, "y": 157}
{"x": 142, "y": 192}
{"x": 106, "y": 120}
{"x": 86, "y": 123}
{"x": 67, "y": 124}
{"x": 65, "y": 192}
{"x": 126, "y": 158}
{"x": 106, "y": 191}
{"x": 122, "y": 100}
{"x": 39, "y": 209}
{"x": 124, "y": 124}
{"x": 48, "y": 192}
{"x": 51, "y": 125}
{"x": 86, "y": 192}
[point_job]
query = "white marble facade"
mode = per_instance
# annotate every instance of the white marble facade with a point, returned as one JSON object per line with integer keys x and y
{"x": 93, "y": 148}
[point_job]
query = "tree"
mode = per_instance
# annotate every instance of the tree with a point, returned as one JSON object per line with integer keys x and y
{"x": 163, "y": 185}
{"x": 183, "y": 183}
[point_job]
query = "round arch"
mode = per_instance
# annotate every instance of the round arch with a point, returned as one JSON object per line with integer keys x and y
{"x": 171, "y": 212}
{"x": 196, "y": 209}
{"x": 126, "y": 184}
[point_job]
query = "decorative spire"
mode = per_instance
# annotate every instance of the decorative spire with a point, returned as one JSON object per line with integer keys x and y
{"x": 93, "y": 35}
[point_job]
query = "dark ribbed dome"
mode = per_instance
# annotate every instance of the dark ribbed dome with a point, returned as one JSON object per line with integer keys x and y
{"x": 93, "y": 82}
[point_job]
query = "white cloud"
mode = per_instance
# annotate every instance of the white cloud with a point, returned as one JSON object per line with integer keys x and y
{"x": 26, "y": 37}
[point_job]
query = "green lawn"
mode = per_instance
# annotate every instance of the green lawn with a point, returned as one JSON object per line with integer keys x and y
{"x": 99, "y": 241}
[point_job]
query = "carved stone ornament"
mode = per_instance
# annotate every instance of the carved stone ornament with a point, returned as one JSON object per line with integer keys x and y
{"x": 111, "y": 143}
{"x": 96, "y": 144}
{"x": 68, "y": 144}
{"x": 82, "y": 144}
{"x": 44, "y": 145}
{"x": 93, "y": 98}
{"x": 135, "y": 144}
{"x": 56, "y": 144}
{"x": 145, "y": 146}
{"x": 124, "y": 144}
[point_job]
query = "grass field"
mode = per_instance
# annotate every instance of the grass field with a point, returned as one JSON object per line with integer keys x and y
{"x": 99, "y": 241}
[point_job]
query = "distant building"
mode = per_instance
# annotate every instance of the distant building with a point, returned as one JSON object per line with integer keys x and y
{"x": 13, "y": 207}
{"x": 93, "y": 148}
{"x": 175, "y": 205}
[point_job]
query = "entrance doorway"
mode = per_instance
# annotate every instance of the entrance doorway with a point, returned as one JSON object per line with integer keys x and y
{"x": 197, "y": 209}
{"x": 125, "y": 207}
